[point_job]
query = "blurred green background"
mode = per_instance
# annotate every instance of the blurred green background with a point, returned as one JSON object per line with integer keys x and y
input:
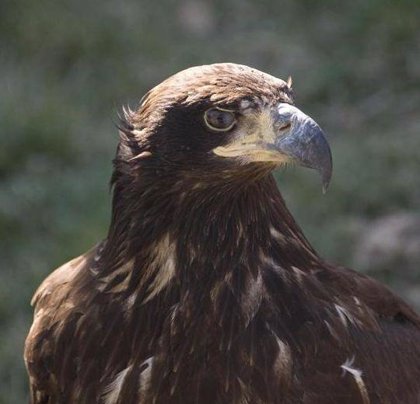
{"x": 67, "y": 67}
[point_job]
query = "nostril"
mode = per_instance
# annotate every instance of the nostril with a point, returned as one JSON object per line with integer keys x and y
{"x": 284, "y": 126}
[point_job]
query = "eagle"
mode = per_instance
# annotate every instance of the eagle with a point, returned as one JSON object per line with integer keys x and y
{"x": 205, "y": 290}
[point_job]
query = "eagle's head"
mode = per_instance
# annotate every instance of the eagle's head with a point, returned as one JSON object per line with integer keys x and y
{"x": 219, "y": 122}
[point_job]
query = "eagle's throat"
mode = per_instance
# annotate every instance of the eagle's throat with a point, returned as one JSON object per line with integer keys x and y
{"x": 182, "y": 235}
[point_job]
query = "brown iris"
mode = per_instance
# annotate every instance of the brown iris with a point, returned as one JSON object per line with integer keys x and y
{"x": 219, "y": 120}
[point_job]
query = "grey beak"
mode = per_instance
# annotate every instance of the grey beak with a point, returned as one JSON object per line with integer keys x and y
{"x": 303, "y": 141}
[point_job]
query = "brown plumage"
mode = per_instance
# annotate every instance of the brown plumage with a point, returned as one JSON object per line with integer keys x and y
{"x": 205, "y": 289}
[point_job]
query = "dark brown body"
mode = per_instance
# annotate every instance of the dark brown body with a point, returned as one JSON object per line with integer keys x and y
{"x": 206, "y": 292}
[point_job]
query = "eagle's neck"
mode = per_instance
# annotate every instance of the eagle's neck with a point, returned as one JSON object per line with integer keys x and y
{"x": 171, "y": 233}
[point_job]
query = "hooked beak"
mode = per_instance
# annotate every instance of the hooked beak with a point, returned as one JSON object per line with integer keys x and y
{"x": 281, "y": 135}
{"x": 303, "y": 141}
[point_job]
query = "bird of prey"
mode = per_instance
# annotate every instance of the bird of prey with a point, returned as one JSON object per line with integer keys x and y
{"x": 205, "y": 290}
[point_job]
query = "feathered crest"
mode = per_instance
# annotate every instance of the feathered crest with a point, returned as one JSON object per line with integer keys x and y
{"x": 125, "y": 119}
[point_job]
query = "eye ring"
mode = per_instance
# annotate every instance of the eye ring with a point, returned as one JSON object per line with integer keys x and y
{"x": 219, "y": 119}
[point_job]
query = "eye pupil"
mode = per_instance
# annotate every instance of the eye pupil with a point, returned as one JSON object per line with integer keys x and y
{"x": 219, "y": 120}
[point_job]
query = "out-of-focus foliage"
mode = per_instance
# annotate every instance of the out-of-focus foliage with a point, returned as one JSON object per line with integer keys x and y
{"x": 66, "y": 67}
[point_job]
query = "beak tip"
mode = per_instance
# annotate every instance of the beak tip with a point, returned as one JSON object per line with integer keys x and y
{"x": 325, "y": 185}
{"x": 326, "y": 174}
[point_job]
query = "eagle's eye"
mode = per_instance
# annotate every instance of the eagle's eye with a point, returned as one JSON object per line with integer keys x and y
{"x": 219, "y": 120}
